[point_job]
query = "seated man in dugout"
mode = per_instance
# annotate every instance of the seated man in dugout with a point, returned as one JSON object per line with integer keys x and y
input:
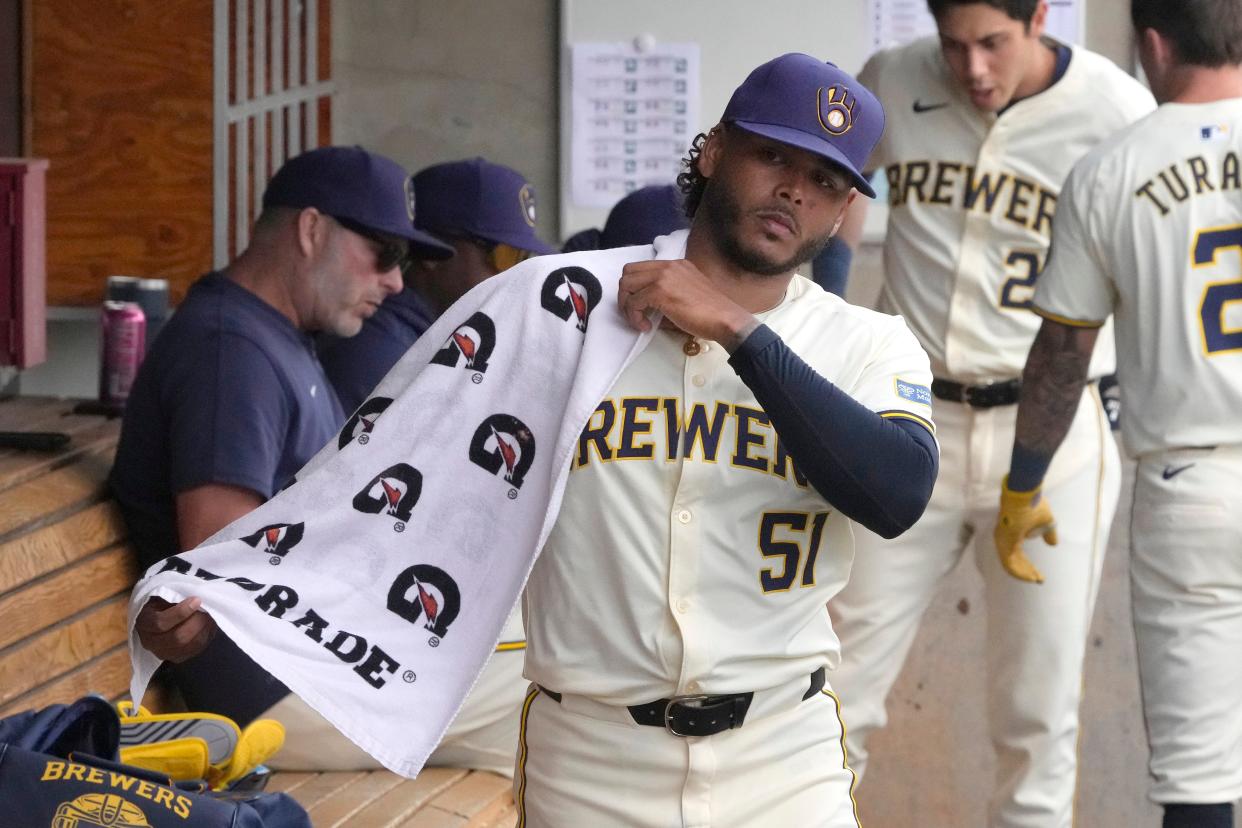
{"x": 486, "y": 213}
{"x": 232, "y": 400}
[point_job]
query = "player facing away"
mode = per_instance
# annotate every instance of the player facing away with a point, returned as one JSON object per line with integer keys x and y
{"x": 985, "y": 122}
{"x": 1150, "y": 231}
{"x": 676, "y": 634}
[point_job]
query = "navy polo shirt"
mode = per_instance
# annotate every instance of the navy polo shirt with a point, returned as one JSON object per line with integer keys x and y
{"x": 356, "y": 365}
{"x": 230, "y": 393}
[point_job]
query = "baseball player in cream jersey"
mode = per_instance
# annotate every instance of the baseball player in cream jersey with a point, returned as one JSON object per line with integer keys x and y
{"x": 675, "y": 621}
{"x": 1150, "y": 231}
{"x": 986, "y": 122}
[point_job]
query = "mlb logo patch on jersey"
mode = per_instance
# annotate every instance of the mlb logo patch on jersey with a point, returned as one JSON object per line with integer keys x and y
{"x": 914, "y": 393}
{"x": 1214, "y": 133}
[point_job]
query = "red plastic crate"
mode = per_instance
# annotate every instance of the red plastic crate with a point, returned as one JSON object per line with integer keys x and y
{"x": 23, "y": 261}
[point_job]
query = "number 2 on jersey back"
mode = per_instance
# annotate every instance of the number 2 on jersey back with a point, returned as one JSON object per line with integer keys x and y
{"x": 791, "y": 551}
{"x": 1027, "y": 265}
{"x": 1218, "y": 336}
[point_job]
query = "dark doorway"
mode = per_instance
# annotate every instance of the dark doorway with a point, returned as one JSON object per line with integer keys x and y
{"x": 11, "y": 54}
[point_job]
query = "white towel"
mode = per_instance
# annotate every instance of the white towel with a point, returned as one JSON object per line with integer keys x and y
{"x": 375, "y": 587}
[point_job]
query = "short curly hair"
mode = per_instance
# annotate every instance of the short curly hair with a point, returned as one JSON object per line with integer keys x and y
{"x": 690, "y": 180}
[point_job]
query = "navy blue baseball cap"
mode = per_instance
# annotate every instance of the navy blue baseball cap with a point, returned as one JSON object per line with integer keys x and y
{"x": 477, "y": 198}
{"x": 644, "y": 214}
{"x": 358, "y": 187}
{"x": 481, "y": 199}
{"x": 804, "y": 102}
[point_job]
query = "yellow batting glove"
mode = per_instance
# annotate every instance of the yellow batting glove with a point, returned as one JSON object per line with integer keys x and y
{"x": 1022, "y": 515}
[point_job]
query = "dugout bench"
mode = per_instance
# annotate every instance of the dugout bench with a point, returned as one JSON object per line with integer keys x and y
{"x": 65, "y": 576}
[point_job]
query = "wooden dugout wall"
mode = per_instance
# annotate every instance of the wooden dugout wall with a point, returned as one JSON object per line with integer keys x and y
{"x": 161, "y": 122}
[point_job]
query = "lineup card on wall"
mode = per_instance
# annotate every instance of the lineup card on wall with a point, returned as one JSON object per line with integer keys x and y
{"x": 894, "y": 22}
{"x": 634, "y": 110}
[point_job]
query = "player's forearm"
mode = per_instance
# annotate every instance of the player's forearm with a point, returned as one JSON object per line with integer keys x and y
{"x": 1052, "y": 385}
{"x": 876, "y": 471}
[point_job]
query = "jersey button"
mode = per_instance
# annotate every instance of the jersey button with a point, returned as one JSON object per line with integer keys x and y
{"x": 683, "y": 606}
{"x": 693, "y": 687}
{"x": 698, "y": 380}
{"x": 684, "y": 516}
{"x": 692, "y": 347}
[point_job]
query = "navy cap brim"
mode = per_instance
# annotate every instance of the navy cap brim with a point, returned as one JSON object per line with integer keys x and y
{"x": 522, "y": 241}
{"x": 801, "y": 140}
{"x": 426, "y": 246}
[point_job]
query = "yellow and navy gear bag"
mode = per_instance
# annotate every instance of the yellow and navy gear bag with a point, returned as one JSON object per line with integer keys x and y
{"x": 50, "y": 777}
{"x": 83, "y": 791}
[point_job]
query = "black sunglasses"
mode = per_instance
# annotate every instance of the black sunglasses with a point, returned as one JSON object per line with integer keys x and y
{"x": 393, "y": 250}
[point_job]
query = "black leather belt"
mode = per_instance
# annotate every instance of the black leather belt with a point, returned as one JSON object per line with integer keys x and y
{"x": 700, "y": 715}
{"x": 978, "y": 396}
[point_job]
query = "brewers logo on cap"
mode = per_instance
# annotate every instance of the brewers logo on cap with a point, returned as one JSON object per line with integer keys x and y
{"x": 836, "y": 109}
{"x": 409, "y": 197}
{"x": 527, "y": 199}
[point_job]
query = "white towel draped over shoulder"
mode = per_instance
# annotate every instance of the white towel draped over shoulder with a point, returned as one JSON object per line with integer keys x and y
{"x": 375, "y": 586}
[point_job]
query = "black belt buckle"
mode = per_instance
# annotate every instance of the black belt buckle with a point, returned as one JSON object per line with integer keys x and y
{"x": 668, "y": 712}
{"x": 1005, "y": 392}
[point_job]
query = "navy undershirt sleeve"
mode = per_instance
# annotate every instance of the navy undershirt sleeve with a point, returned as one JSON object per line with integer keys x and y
{"x": 831, "y": 268}
{"x": 875, "y": 470}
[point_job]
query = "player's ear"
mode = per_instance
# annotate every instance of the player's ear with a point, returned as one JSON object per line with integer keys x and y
{"x": 844, "y": 210}
{"x": 312, "y": 229}
{"x": 1157, "y": 46}
{"x": 1038, "y": 20}
{"x": 713, "y": 148}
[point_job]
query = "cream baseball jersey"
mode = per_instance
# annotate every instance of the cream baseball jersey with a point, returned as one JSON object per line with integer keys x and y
{"x": 972, "y": 196}
{"x": 1150, "y": 230}
{"x": 710, "y": 557}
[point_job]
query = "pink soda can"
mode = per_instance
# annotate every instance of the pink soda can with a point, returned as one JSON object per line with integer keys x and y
{"x": 123, "y": 344}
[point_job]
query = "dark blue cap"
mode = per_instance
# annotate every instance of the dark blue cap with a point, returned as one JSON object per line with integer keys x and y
{"x": 477, "y": 198}
{"x": 644, "y": 214}
{"x": 804, "y": 102}
{"x": 358, "y": 186}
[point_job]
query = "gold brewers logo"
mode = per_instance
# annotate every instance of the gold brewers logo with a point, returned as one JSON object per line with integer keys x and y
{"x": 836, "y": 109}
{"x": 409, "y": 197}
{"x": 111, "y": 810}
{"x": 527, "y": 199}
{"x": 99, "y": 809}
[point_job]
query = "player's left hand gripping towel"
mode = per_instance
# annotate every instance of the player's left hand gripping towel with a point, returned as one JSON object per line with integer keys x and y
{"x": 375, "y": 586}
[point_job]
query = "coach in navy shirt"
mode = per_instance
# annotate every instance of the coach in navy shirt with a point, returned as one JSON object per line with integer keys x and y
{"x": 232, "y": 401}
{"x": 486, "y": 212}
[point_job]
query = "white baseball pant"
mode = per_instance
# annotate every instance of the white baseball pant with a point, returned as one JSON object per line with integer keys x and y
{"x": 1186, "y": 588}
{"x": 1036, "y": 633}
{"x": 582, "y": 763}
